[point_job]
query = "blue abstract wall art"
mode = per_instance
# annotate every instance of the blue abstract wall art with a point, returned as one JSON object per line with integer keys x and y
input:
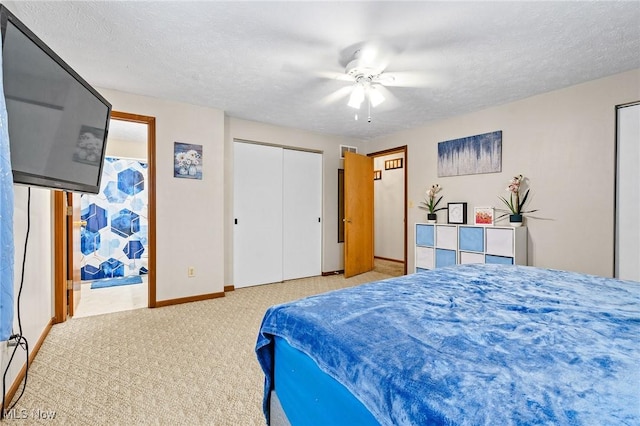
{"x": 471, "y": 155}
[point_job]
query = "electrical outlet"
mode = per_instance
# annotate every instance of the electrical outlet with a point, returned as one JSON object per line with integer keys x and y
{"x": 191, "y": 271}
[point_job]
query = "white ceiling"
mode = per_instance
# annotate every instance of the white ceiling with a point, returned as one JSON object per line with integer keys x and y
{"x": 260, "y": 60}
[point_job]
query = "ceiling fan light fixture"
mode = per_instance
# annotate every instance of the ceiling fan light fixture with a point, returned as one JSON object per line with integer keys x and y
{"x": 367, "y": 55}
{"x": 357, "y": 96}
{"x": 375, "y": 97}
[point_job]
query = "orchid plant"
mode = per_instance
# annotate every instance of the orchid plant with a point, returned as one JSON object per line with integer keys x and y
{"x": 430, "y": 203}
{"x": 514, "y": 203}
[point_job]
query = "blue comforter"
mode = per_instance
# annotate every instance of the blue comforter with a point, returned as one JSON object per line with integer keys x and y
{"x": 475, "y": 344}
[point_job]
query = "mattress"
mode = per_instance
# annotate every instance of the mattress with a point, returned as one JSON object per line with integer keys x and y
{"x": 473, "y": 344}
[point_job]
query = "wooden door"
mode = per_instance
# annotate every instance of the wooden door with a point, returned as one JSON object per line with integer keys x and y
{"x": 60, "y": 224}
{"x": 358, "y": 214}
{"x": 74, "y": 255}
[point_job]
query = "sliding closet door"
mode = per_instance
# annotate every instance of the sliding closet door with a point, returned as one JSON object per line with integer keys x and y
{"x": 627, "y": 248}
{"x": 257, "y": 208}
{"x": 302, "y": 244}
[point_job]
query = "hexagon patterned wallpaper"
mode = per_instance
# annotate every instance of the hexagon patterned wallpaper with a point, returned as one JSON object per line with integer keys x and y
{"x": 114, "y": 241}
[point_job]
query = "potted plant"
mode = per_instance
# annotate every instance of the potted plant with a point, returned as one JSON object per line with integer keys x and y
{"x": 515, "y": 203}
{"x": 430, "y": 204}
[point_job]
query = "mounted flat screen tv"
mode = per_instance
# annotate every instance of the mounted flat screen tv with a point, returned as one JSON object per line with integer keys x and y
{"x": 58, "y": 123}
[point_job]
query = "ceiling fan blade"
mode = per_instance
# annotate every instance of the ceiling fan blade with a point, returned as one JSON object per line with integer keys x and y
{"x": 325, "y": 74}
{"x": 332, "y": 75}
{"x": 372, "y": 54}
{"x": 337, "y": 95}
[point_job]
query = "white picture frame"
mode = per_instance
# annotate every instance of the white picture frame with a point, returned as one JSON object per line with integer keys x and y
{"x": 483, "y": 216}
{"x": 457, "y": 213}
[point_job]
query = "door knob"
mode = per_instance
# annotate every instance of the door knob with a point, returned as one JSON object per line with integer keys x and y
{"x": 80, "y": 222}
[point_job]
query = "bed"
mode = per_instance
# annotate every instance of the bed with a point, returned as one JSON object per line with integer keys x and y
{"x": 463, "y": 345}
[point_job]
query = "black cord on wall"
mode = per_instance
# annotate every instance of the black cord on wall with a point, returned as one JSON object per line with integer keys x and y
{"x": 19, "y": 339}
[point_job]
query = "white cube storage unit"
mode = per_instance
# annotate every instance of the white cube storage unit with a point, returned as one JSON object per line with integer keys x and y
{"x": 444, "y": 245}
{"x": 436, "y": 246}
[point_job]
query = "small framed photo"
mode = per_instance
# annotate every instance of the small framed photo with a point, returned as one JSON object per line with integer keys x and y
{"x": 483, "y": 216}
{"x": 377, "y": 174}
{"x": 457, "y": 213}
{"x": 396, "y": 163}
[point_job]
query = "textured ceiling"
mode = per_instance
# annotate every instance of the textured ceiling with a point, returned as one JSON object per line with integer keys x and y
{"x": 260, "y": 60}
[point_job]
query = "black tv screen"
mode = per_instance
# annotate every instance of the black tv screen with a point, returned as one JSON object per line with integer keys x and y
{"x": 58, "y": 123}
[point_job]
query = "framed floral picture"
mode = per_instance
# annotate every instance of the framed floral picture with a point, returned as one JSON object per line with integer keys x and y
{"x": 483, "y": 216}
{"x": 187, "y": 161}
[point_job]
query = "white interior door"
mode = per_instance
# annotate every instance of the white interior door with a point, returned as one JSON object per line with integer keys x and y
{"x": 302, "y": 244}
{"x": 257, "y": 208}
{"x": 627, "y": 252}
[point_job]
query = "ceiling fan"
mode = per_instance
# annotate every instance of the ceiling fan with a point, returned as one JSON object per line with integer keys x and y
{"x": 366, "y": 66}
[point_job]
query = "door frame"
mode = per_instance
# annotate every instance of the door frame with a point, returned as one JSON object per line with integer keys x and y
{"x": 60, "y": 224}
{"x": 403, "y": 149}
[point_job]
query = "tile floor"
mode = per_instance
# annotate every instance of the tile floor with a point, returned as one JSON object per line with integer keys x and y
{"x": 111, "y": 299}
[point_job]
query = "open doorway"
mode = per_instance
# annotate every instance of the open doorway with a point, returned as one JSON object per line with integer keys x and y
{"x": 129, "y": 179}
{"x": 390, "y": 217}
{"x": 390, "y": 210}
{"x": 114, "y": 246}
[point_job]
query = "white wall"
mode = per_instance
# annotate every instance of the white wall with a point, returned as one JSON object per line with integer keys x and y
{"x": 127, "y": 149}
{"x": 388, "y": 200}
{"x": 564, "y": 142}
{"x": 189, "y": 213}
{"x": 36, "y": 305}
{"x": 332, "y": 251}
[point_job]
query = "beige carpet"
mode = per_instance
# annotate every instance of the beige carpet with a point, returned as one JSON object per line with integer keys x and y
{"x": 185, "y": 364}
{"x": 389, "y": 267}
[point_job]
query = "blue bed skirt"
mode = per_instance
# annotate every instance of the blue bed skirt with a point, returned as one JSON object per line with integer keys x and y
{"x": 310, "y": 397}
{"x": 474, "y": 344}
